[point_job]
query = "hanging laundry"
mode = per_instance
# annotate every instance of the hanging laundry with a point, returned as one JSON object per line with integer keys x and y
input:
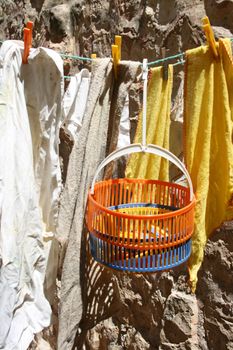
{"x": 43, "y": 115}
{"x": 43, "y": 99}
{"x": 87, "y": 153}
{"x": 124, "y": 131}
{"x": 208, "y": 126}
{"x": 74, "y": 102}
{"x": 158, "y": 127}
{"x": 44, "y": 108}
{"x": 127, "y": 74}
{"x": 176, "y": 133}
{"x": 24, "y": 309}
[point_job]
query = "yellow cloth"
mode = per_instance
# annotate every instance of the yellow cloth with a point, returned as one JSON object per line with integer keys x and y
{"x": 208, "y": 125}
{"x": 143, "y": 165}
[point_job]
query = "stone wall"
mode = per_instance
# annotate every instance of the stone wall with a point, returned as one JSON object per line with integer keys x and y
{"x": 153, "y": 311}
{"x": 158, "y": 311}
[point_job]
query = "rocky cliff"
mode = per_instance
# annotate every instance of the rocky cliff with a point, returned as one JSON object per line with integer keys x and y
{"x": 153, "y": 311}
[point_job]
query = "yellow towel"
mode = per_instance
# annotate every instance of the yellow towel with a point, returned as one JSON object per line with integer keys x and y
{"x": 158, "y": 126}
{"x": 208, "y": 124}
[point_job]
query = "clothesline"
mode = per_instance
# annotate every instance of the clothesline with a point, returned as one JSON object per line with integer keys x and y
{"x": 81, "y": 58}
{"x": 75, "y": 57}
{"x": 174, "y": 64}
{"x": 149, "y": 63}
{"x": 161, "y": 60}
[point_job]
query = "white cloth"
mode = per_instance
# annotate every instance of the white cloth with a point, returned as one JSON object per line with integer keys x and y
{"x": 44, "y": 90}
{"x": 74, "y": 102}
{"x": 22, "y": 301}
{"x": 29, "y": 189}
{"x": 124, "y": 130}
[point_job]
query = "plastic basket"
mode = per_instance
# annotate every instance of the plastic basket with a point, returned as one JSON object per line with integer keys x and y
{"x": 140, "y": 225}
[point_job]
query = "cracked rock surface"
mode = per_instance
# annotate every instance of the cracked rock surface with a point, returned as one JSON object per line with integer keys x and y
{"x": 153, "y": 311}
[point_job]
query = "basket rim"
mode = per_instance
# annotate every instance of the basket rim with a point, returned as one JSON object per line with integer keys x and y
{"x": 177, "y": 212}
{"x": 131, "y": 180}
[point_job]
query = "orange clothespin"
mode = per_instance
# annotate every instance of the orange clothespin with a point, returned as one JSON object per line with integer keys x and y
{"x": 210, "y": 35}
{"x": 27, "y": 38}
{"x": 93, "y": 55}
{"x": 116, "y": 53}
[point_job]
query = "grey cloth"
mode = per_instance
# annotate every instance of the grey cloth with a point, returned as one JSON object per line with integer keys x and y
{"x": 127, "y": 74}
{"x": 89, "y": 291}
{"x": 88, "y": 151}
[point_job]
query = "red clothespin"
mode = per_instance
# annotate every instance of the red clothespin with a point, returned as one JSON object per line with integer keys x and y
{"x": 27, "y": 38}
{"x": 210, "y": 36}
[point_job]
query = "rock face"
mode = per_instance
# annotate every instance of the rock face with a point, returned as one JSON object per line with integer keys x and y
{"x": 158, "y": 311}
{"x": 215, "y": 291}
{"x": 154, "y": 311}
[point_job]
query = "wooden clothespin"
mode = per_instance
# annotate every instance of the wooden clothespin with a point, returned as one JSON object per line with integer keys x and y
{"x": 165, "y": 64}
{"x": 210, "y": 36}
{"x": 27, "y": 38}
{"x": 116, "y": 53}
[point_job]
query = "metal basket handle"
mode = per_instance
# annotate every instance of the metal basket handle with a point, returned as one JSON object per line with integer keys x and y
{"x": 138, "y": 148}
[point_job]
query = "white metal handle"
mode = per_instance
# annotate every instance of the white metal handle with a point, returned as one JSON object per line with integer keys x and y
{"x": 138, "y": 148}
{"x": 144, "y": 105}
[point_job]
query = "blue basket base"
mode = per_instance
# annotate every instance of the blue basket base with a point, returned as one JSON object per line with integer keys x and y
{"x": 133, "y": 260}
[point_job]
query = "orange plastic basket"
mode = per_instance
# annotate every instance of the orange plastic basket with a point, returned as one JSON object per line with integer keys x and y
{"x": 140, "y": 225}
